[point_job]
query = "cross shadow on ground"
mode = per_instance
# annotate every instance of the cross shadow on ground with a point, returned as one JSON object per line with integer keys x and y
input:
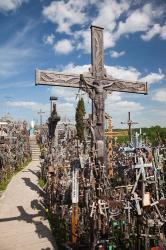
{"x": 32, "y": 186}
{"x": 37, "y": 173}
{"x": 41, "y": 229}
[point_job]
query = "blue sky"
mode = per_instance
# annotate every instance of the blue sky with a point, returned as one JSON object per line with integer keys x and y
{"x": 55, "y": 35}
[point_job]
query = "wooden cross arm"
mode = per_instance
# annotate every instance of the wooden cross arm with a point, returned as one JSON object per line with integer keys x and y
{"x": 52, "y": 78}
{"x": 111, "y": 84}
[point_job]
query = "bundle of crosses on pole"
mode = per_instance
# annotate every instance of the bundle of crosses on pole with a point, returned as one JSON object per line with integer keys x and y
{"x": 96, "y": 83}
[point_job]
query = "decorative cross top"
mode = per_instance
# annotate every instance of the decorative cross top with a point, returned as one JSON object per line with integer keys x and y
{"x": 45, "y": 77}
{"x": 96, "y": 83}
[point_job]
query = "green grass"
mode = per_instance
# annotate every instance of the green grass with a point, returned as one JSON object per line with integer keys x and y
{"x": 41, "y": 182}
{"x": 4, "y": 183}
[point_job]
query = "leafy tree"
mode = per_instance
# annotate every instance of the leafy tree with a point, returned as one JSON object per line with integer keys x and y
{"x": 80, "y": 112}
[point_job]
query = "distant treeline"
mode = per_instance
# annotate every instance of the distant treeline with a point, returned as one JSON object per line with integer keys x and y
{"x": 154, "y": 135}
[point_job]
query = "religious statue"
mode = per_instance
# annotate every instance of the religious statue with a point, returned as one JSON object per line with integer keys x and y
{"x": 52, "y": 122}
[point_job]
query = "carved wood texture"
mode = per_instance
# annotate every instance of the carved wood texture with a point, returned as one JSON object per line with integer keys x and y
{"x": 97, "y": 51}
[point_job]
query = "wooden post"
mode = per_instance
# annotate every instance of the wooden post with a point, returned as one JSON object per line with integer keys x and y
{"x": 75, "y": 197}
{"x": 110, "y": 151}
{"x": 74, "y": 222}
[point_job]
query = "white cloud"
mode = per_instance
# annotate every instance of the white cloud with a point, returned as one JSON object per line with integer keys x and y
{"x": 18, "y": 50}
{"x": 84, "y": 40}
{"x": 118, "y": 72}
{"x": 11, "y": 59}
{"x": 65, "y": 14}
{"x": 153, "y": 77}
{"x": 9, "y": 5}
{"x": 49, "y": 39}
{"x": 109, "y": 12}
{"x": 116, "y": 54}
{"x": 163, "y": 32}
{"x": 69, "y": 95}
{"x": 138, "y": 20}
{"x": 66, "y": 108}
{"x": 115, "y": 103}
{"x": 63, "y": 46}
{"x": 15, "y": 85}
{"x": 125, "y": 73}
{"x": 160, "y": 95}
{"x": 156, "y": 29}
{"x": 28, "y": 105}
{"x": 128, "y": 105}
{"x": 118, "y": 18}
{"x": 77, "y": 69}
{"x": 151, "y": 32}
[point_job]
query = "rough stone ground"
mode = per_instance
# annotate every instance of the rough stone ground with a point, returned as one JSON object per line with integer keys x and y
{"x": 23, "y": 224}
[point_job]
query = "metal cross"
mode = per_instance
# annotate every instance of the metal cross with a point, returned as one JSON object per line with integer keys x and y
{"x": 130, "y": 123}
{"x": 41, "y": 113}
{"x": 97, "y": 84}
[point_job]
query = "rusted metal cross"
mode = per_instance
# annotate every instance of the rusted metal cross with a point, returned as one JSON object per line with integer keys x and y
{"x": 97, "y": 84}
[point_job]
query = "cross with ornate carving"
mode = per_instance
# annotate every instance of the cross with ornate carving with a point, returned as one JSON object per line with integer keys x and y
{"x": 97, "y": 84}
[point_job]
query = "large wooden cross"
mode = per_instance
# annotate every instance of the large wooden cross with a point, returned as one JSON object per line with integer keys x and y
{"x": 97, "y": 84}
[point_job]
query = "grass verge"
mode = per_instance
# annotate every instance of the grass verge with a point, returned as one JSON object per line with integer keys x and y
{"x": 4, "y": 183}
{"x": 41, "y": 182}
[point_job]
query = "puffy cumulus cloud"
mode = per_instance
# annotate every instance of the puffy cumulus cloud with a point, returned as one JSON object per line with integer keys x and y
{"x": 109, "y": 12}
{"x": 156, "y": 29}
{"x": 117, "y": 17}
{"x": 128, "y": 105}
{"x": 49, "y": 39}
{"x": 132, "y": 74}
{"x": 114, "y": 97}
{"x": 65, "y": 14}
{"x": 151, "y": 32}
{"x": 115, "y": 102}
{"x": 125, "y": 73}
{"x": 153, "y": 77}
{"x": 69, "y": 95}
{"x": 66, "y": 108}
{"x": 116, "y": 54}
{"x": 28, "y": 105}
{"x": 63, "y": 46}
{"x": 118, "y": 72}
{"x": 138, "y": 20}
{"x": 10, "y": 5}
{"x": 76, "y": 69}
{"x": 160, "y": 95}
{"x": 84, "y": 40}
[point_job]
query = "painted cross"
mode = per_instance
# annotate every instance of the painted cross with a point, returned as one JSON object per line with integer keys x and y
{"x": 97, "y": 84}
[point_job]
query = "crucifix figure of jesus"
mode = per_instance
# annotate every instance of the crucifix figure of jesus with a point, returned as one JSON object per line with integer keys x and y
{"x": 96, "y": 83}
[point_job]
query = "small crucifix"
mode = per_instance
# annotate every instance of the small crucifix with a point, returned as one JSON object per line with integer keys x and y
{"x": 97, "y": 84}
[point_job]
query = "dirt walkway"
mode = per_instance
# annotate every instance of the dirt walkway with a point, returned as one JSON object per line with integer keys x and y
{"x": 23, "y": 224}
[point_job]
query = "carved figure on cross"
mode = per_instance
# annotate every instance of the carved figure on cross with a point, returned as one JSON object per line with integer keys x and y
{"x": 96, "y": 83}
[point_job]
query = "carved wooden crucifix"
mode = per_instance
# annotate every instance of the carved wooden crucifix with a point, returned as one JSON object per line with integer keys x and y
{"x": 97, "y": 84}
